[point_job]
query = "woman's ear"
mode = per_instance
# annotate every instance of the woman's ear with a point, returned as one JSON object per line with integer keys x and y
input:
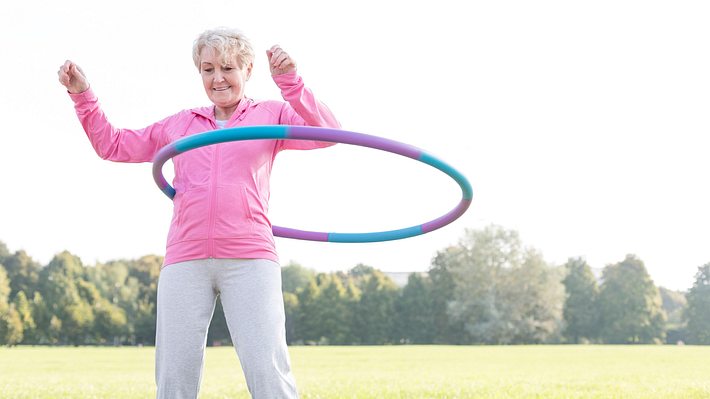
{"x": 249, "y": 67}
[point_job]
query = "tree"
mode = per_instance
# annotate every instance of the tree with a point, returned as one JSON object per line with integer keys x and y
{"x": 4, "y": 252}
{"x": 630, "y": 305}
{"x": 324, "y": 312}
{"x": 109, "y": 320}
{"x": 478, "y": 300}
{"x": 54, "y": 330}
{"x": 10, "y": 326}
{"x": 58, "y": 281}
{"x": 144, "y": 322}
{"x": 69, "y": 297}
{"x": 332, "y": 311}
{"x": 24, "y": 310}
{"x": 503, "y": 293}
{"x": 295, "y": 277}
{"x": 674, "y": 305}
{"x": 698, "y": 312}
{"x": 581, "y": 314}
{"x": 132, "y": 286}
{"x": 374, "y": 315}
{"x": 307, "y": 328}
{"x": 218, "y": 331}
{"x": 532, "y": 300}
{"x": 42, "y": 315}
{"x": 291, "y": 311}
{"x": 415, "y": 310}
{"x": 448, "y": 329}
{"x": 4, "y": 288}
{"x": 146, "y": 271}
{"x": 10, "y": 322}
{"x": 23, "y": 273}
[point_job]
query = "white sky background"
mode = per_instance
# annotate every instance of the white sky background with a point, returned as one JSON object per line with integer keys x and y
{"x": 582, "y": 125}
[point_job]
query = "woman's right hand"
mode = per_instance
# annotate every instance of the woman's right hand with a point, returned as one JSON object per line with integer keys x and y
{"x": 73, "y": 78}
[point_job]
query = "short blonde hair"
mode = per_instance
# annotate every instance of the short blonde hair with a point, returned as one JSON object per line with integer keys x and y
{"x": 228, "y": 42}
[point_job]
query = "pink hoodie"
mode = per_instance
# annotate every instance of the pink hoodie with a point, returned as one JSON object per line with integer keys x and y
{"x": 222, "y": 200}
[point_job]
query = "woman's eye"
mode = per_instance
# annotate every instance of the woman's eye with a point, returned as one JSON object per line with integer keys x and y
{"x": 228, "y": 69}
{"x": 207, "y": 70}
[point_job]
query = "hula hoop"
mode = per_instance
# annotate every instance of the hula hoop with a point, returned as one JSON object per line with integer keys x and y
{"x": 329, "y": 135}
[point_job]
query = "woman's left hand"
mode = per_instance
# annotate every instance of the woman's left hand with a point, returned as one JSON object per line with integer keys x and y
{"x": 279, "y": 61}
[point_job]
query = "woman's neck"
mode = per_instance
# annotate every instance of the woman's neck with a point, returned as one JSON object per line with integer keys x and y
{"x": 224, "y": 113}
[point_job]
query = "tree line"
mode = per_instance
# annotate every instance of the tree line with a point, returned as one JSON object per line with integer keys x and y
{"x": 487, "y": 289}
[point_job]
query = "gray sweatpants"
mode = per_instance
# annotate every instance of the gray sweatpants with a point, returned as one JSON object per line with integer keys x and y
{"x": 250, "y": 291}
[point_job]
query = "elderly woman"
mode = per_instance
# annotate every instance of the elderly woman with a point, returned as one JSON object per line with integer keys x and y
{"x": 220, "y": 241}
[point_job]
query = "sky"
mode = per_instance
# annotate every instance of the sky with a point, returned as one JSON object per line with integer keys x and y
{"x": 584, "y": 126}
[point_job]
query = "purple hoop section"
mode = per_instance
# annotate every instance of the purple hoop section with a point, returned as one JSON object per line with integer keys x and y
{"x": 359, "y": 139}
{"x": 448, "y": 218}
{"x": 287, "y": 232}
{"x": 161, "y": 157}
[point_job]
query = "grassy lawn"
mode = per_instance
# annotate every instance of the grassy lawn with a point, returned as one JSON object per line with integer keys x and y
{"x": 380, "y": 372}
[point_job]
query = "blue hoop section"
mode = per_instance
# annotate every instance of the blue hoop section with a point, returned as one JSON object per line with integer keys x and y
{"x": 329, "y": 135}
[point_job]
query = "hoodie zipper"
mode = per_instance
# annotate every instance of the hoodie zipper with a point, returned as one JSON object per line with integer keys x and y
{"x": 213, "y": 200}
{"x": 213, "y": 187}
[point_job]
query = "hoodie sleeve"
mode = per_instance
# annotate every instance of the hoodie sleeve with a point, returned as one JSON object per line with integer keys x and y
{"x": 114, "y": 144}
{"x": 302, "y": 108}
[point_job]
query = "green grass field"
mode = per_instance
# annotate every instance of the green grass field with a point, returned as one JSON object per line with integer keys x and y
{"x": 380, "y": 372}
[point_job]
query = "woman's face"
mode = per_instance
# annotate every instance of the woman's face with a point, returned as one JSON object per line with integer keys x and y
{"x": 224, "y": 84}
